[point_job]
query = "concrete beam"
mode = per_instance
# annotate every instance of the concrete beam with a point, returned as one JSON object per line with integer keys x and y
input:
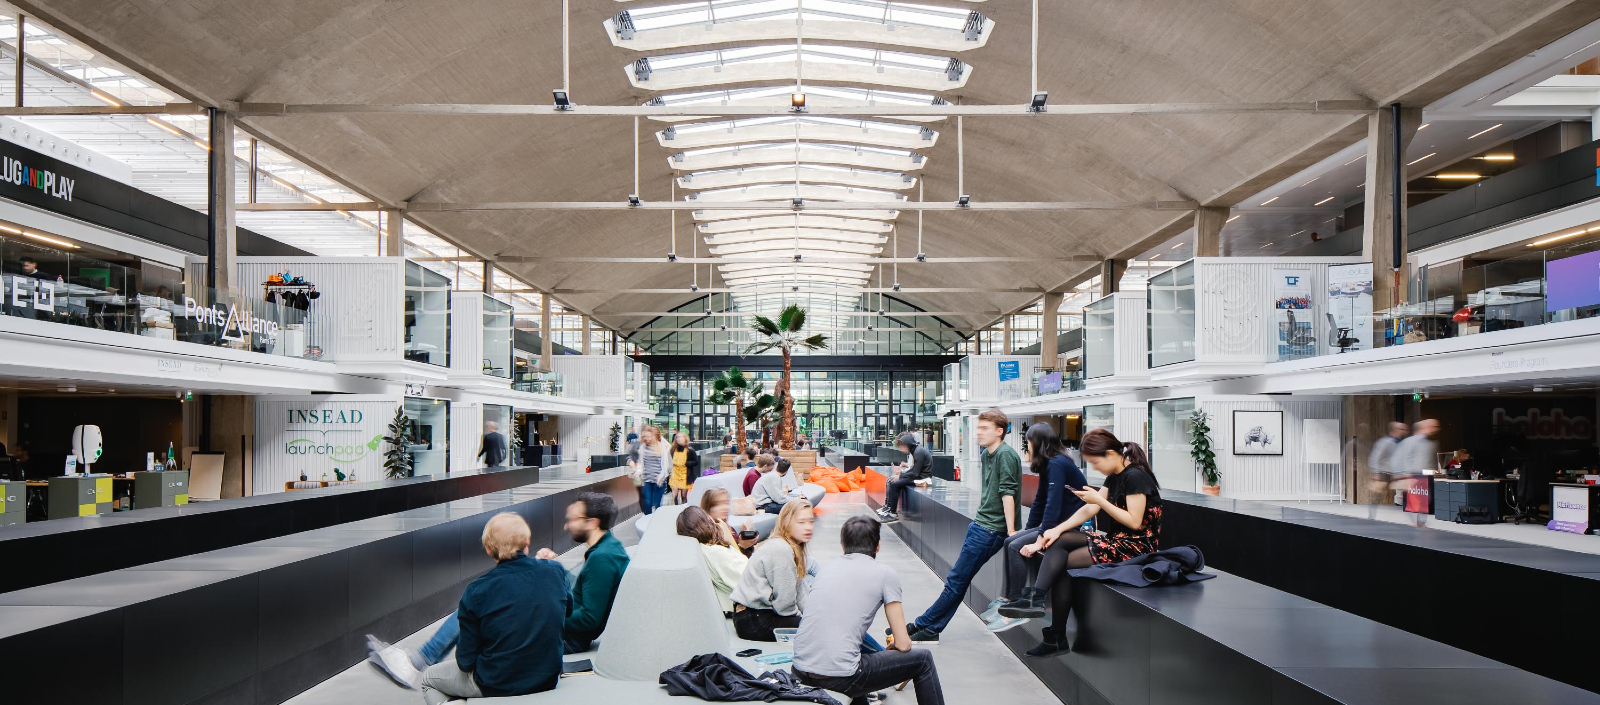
{"x": 803, "y": 287}
{"x": 1384, "y": 224}
{"x": 222, "y": 234}
{"x": 517, "y": 259}
{"x": 293, "y": 207}
{"x": 1208, "y": 222}
{"x": 1048, "y": 329}
{"x": 1111, "y": 272}
{"x": 1018, "y": 110}
{"x": 546, "y": 340}
{"x": 393, "y": 228}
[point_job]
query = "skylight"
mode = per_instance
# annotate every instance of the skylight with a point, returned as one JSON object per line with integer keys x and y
{"x": 780, "y": 96}
{"x": 789, "y": 173}
{"x": 824, "y": 129}
{"x": 772, "y": 192}
{"x": 820, "y": 247}
{"x": 717, "y": 21}
{"x": 818, "y": 62}
{"x": 803, "y": 233}
{"x": 789, "y": 153}
{"x": 799, "y": 220}
{"x": 707, "y": 216}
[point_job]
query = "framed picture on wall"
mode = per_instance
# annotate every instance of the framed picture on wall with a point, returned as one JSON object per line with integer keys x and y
{"x": 1257, "y": 432}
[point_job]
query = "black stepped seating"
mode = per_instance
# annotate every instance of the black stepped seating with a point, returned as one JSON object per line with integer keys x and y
{"x": 1225, "y": 640}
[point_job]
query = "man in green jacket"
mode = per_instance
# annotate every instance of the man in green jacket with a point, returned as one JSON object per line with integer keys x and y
{"x": 589, "y": 521}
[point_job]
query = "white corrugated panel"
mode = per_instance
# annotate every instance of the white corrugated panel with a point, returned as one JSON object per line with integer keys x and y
{"x": 317, "y": 437}
{"x": 466, "y": 433}
{"x": 360, "y": 315}
{"x": 592, "y": 377}
{"x": 1132, "y": 335}
{"x": 466, "y": 332}
{"x": 1274, "y": 477}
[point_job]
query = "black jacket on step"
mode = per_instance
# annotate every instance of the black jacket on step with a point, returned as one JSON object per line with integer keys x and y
{"x": 718, "y": 678}
{"x": 1172, "y": 566}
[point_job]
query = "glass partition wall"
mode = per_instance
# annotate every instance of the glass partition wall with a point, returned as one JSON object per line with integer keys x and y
{"x": 497, "y": 319}
{"x": 430, "y": 429}
{"x": 1099, "y": 338}
{"x": 427, "y": 311}
{"x": 1170, "y": 429}
{"x": 1171, "y": 300}
{"x": 1100, "y": 416}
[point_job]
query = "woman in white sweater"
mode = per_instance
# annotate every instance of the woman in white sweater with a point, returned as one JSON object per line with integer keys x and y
{"x": 652, "y": 467}
{"x": 723, "y": 558}
{"x": 771, "y": 592}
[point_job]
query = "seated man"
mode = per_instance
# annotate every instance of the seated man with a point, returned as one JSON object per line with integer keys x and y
{"x": 510, "y": 620}
{"x": 772, "y": 490}
{"x": 589, "y": 521}
{"x": 921, "y": 469}
{"x": 755, "y": 471}
{"x": 828, "y": 649}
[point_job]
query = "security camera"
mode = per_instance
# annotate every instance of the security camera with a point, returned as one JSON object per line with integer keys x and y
{"x": 922, "y": 256}
{"x": 694, "y": 287}
{"x": 869, "y": 327}
{"x": 796, "y": 287}
{"x": 724, "y": 326}
{"x": 672, "y": 256}
{"x": 633, "y": 200}
{"x": 897, "y": 286}
{"x": 964, "y": 201}
{"x": 797, "y": 256}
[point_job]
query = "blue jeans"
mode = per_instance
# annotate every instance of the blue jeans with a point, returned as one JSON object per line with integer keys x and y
{"x": 652, "y": 496}
{"x": 443, "y": 640}
{"x": 979, "y": 545}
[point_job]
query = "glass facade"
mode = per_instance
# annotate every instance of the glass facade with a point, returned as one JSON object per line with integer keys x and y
{"x": 1099, "y": 338}
{"x": 1172, "y": 316}
{"x": 865, "y": 405}
{"x": 856, "y": 324}
{"x": 497, "y": 318}
{"x": 1100, "y": 416}
{"x": 427, "y": 309}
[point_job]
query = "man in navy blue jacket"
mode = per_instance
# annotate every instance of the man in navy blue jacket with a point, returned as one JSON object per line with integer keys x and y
{"x": 1051, "y": 505}
{"x": 511, "y": 619}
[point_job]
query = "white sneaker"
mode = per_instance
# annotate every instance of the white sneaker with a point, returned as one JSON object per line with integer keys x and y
{"x": 1002, "y": 623}
{"x": 396, "y": 663}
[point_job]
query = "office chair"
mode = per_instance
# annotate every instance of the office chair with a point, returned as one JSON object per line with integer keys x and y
{"x": 1533, "y": 490}
{"x": 1339, "y": 336}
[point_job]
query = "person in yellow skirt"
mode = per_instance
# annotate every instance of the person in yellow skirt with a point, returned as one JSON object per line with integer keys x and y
{"x": 685, "y": 467}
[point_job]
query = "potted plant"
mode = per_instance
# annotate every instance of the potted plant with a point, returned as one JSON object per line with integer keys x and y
{"x": 397, "y": 458}
{"x": 616, "y": 437}
{"x": 1205, "y": 459}
{"x": 784, "y": 336}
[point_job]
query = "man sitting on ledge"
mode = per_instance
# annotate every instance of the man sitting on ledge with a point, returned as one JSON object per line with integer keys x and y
{"x": 510, "y": 620}
{"x": 589, "y": 520}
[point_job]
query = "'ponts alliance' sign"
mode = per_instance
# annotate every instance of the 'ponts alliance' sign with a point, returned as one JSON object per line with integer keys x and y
{"x": 234, "y": 323}
{"x": 49, "y": 182}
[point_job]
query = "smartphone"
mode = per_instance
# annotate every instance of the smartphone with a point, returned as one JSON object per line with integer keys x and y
{"x": 747, "y": 653}
{"x": 747, "y": 535}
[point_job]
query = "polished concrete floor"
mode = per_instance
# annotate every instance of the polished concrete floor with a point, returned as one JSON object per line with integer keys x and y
{"x": 972, "y": 662}
{"x": 1535, "y": 534}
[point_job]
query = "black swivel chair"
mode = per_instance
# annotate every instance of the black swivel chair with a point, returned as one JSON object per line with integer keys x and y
{"x": 1532, "y": 493}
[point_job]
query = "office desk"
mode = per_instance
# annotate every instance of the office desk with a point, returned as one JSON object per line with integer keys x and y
{"x": 1449, "y": 496}
{"x": 1572, "y": 507}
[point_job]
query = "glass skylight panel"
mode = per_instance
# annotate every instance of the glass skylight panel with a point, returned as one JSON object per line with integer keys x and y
{"x": 818, "y": 62}
{"x": 798, "y": 220}
{"x": 817, "y": 246}
{"x": 789, "y": 173}
{"x": 779, "y": 96}
{"x": 791, "y": 234}
{"x": 818, "y": 128}
{"x": 709, "y": 216}
{"x": 875, "y": 21}
{"x": 881, "y": 158}
{"x": 769, "y": 192}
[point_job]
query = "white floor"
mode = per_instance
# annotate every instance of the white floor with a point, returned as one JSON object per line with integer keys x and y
{"x": 971, "y": 660}
{"x": 1534, "y": 534}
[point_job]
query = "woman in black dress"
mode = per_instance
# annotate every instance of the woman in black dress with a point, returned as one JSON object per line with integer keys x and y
{"x": 1127, "y": 513}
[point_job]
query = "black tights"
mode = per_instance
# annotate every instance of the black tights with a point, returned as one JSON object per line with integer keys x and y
{"x": 1069, "y": 551}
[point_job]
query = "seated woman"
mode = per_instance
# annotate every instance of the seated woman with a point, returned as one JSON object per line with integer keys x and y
{"x": 771, "y": 593}
{"x": 1127, "y": 513}
{"x": 718, "y": 503}
{"x": 1053, "y": 503}
{"x": 723, "y": 558}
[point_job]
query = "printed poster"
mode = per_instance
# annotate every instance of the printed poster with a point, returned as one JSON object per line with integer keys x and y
{"x": 1350, "y": 304}
{"x": 1291, "y": 304}
{"x": 1010, "y": 379}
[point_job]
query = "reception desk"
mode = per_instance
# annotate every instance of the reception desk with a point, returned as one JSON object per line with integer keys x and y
{"x": 1449, "y": 496}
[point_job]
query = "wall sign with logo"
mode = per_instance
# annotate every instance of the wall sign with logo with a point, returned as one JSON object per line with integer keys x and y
{"x": 1010, "y": 379}
{"x": 1569, "y": 509}
{"x": 230, "y": 322}
{"x": 1050, "y": 383}
{"x": 49, "y": 182}
{"x": 1291, "y": 305}
{"x": 322, "y": 440}
{"x": 25, "y": 292}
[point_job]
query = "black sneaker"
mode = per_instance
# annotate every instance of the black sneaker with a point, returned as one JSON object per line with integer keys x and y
{"x": 924, "y": 636}
{"x": 888, "y": 517}
{"x": 1052, "y": 645}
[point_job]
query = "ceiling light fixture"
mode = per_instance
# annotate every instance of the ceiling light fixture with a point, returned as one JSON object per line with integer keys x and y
{"x": 562, "y": 102}
{"x": 1308, "y": 183}
{"x": 1230, "y": 220}
{"x": 1418, "y": 159}
{"x": 1486, "y": 130}
{"x": 797, "y": 102}
{"x": 1425, "y": 125}
{"x": 51, "y": 240}
{"x": 1274, "y": 198}
{"x": 1174, "y": 247}
{"x": 1325, "y": 200}
{"x": 108, "y": 99}
{"x": 1352, "y": 161}
{"x": 1266, "y": 246}
{"x": 965, "y": 201}
{"x": 1158, "y": 256}
{"x": 1557, "y": 238}
{"x": 202, "y": 145}
{"x": 633, "y": 200}
{"x": 164, "y": 126}
{"x": 1458, "y": 177}
{"x": 1039, "y": 101}
{"x": 1499, "y": 157}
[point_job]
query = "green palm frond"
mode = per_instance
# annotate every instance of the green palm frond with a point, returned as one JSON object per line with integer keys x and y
{"x": 736, "y": 378}
{"x": 816, "y": 342}
{"x": 765, "y": 326}
{"x": 792, "y": 319}
{"x": 721, "y": 384}
{"x": 759, "y": 347}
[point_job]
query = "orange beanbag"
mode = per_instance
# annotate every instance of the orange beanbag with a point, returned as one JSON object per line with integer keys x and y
{"x": 829, "y": 478}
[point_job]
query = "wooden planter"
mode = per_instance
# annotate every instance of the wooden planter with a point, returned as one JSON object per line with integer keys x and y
{"x": 1213, "y": 490}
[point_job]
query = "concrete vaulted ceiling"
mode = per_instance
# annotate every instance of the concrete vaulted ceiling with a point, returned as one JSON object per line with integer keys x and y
{"x": 1091, "y": 51}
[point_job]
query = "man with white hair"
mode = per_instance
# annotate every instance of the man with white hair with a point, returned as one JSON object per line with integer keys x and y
{"x": 511, "y": 619}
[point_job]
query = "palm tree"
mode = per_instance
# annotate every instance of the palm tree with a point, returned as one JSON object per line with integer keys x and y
{"x": 784, "y": 335}
{"x": 732, "y": 387}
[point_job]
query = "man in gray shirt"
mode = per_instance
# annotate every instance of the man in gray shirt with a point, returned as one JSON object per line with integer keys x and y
{"x": 827, "y": 650}
{"x": 1378, "y": 463}
{"x": 1417, "y": 457}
